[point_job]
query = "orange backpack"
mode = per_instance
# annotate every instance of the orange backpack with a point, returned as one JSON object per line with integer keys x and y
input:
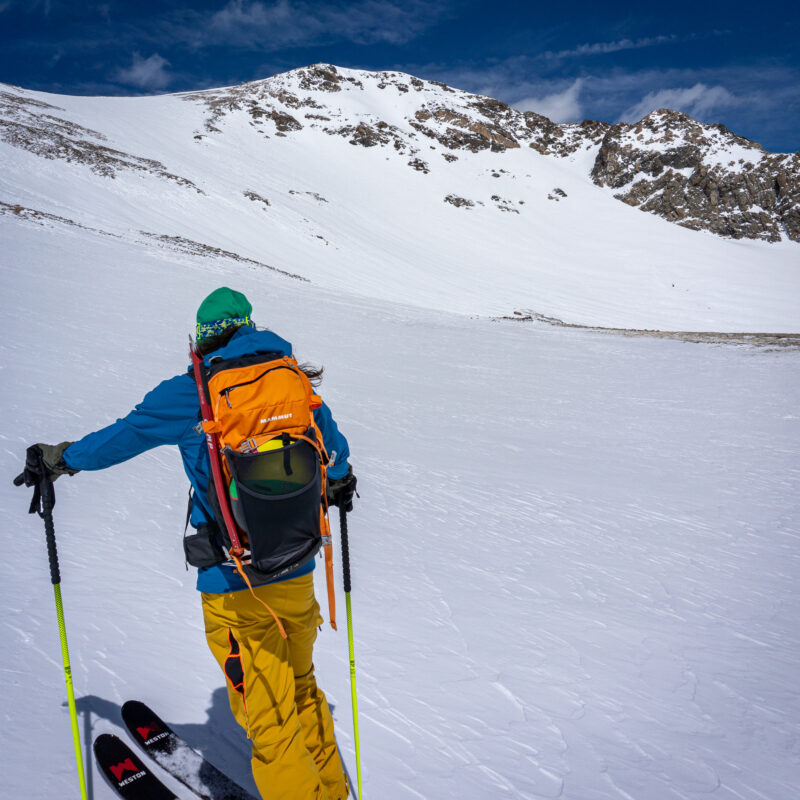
{"x": 268, "y": 463}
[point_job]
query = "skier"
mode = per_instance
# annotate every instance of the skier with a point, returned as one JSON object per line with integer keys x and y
{"x": 271, "y": 685}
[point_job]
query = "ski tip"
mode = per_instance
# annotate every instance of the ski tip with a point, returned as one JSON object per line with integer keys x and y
{"x": 103, "y": 739}
{"x": 107, "y": 741}
{"x": 146, "y": 727}
{"x": 126, "y": 772}
{"x": 134, "y": 707}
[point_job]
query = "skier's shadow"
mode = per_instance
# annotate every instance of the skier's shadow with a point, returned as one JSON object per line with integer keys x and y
{"x": 219, "y": 738}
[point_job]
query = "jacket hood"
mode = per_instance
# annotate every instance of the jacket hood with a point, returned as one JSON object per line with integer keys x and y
{"x": 249, "y": 340}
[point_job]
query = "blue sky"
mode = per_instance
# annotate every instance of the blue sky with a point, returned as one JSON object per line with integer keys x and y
{"x": 731, "y": 62}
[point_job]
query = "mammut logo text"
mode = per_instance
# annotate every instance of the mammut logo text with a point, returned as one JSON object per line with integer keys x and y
{"x": 272, "y": 419}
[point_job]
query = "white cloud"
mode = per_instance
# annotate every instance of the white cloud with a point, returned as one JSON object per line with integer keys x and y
{"x": 561, "y": 106}
{"x": 696, "y": 101}
{"x": 599, "y": 48}
{"x": 285, "y": 23}
{"x": 146, "y": 73}
{"x": 240, "y": 16}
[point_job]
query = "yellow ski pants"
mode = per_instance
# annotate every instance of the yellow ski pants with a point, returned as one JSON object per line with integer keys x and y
{"x": 272, "y": 689}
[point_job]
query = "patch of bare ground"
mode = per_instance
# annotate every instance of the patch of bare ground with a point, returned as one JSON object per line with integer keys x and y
{"x": 177, "y": 243}
{"x": 459, "y": 202}
{"x": 190, "y": 247}
{"x": 767, "y": 341}
{"x": 41, "y": 217}
{"x": 318, "y": 197}
{"x": 256, "y": 198}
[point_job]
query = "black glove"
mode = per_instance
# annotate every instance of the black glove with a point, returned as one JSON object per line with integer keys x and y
{"x": 342, "y": 490}
{"x": 51, "y": 456}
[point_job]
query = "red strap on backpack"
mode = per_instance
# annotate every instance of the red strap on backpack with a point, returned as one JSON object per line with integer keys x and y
{"x": 213, "y": 454}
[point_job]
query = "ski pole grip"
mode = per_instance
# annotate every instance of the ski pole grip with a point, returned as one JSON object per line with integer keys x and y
{"x": 345, "y": 550}
{"x": 50, "y": 531}
{"x": 48, "y": 499}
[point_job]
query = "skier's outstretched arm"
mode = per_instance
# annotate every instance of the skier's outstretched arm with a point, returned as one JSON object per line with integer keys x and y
{"x": 164, "y": 416}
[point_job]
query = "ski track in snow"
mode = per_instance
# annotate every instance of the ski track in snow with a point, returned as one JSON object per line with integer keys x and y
{"x": 575, "y": 557}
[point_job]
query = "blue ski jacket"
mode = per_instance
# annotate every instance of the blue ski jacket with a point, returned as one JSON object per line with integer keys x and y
{"x": 170, "y": 414}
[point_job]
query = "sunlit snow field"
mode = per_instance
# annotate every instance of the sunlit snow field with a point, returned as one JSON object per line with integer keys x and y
{"x": 575, "y": 556}
{"x": 360, "y": 220}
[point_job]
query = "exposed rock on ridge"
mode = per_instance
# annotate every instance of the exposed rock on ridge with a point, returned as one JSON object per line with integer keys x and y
{"x": 702, "y": 177}
{"x": 699, "y": 176}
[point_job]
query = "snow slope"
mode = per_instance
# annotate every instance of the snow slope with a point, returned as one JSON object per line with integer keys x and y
{"x": 214, "y": 168}
{"x": 575, "y": 557}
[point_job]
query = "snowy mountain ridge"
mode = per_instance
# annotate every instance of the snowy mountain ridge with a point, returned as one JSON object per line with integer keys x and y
{"x": 398, "y": 188}
{"x": 743, "y": 191}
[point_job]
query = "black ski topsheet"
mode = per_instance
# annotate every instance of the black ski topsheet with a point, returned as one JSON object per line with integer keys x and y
{"x": 125, "y": 771}
{"x": 169, "y": 751}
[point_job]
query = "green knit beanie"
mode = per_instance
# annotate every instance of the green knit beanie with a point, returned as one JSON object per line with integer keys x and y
{"x": 222, "y": 309}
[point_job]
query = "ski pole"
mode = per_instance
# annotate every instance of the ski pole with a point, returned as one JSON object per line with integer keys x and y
{"x": 350, "y": 646}
{"x": 44, "y": 495}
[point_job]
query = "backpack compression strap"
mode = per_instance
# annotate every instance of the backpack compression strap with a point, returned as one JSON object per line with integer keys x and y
{"x": 327, "y": 547}
{"x": 325, "y": 528}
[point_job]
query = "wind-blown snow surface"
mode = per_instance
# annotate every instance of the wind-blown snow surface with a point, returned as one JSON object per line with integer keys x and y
{"x": 575, "y": 556}
{"x": 361, "y": 219}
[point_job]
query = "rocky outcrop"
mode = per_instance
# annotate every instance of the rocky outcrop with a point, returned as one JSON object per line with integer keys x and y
{"x": 459, "y": 202}
{"x": 256, "y": 198}
{"x": 550, "y": 139}
{"x": 459, "y": 131}
{"x": 39, "y": 128}
{"x": 702, "y": 177}
{"x": 320, "y": 77}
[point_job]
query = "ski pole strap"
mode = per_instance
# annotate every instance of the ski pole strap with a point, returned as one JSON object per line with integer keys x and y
{"x": 35, "y": 474}
{"x": 36, "y": 500}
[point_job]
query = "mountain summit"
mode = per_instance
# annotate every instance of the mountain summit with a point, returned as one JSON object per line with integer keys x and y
{"x": 394, "y": 187}
{"x": 703, "y": 177}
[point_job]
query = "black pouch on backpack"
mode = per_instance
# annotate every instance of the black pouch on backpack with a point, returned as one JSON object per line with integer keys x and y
{"x": 277, "y": 504}
{"x": 202, "y": 548}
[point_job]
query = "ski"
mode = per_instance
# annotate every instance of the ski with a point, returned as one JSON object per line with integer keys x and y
{"x": 126, "y": 773}
{"x": 174, "y": 755}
